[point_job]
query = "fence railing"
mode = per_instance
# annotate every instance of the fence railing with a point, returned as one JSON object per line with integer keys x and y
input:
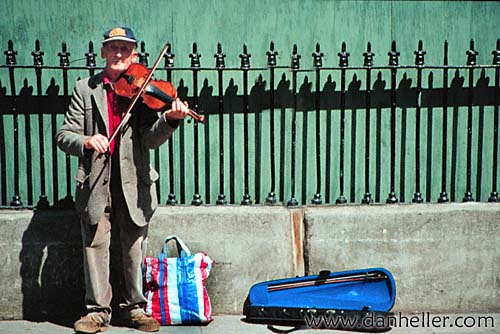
{"x": 350, "y": 134}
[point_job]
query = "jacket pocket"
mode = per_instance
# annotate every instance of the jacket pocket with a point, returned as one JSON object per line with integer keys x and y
{"x": 81, "y": 177}
{"x": 82, "y": 190}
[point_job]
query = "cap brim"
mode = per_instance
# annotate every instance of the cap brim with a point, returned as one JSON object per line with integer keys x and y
{"x": 119, "y": 38}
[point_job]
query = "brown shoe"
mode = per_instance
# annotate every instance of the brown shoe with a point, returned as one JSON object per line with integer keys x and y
{"x": 91, "y": 323}
{"x": 142, "y": 322}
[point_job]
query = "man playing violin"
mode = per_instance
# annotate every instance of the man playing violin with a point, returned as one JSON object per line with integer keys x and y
{"x": 115, "y": 182}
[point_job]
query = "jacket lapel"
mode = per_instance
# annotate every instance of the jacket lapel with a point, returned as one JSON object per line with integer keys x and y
{"x": 100, "y": 99}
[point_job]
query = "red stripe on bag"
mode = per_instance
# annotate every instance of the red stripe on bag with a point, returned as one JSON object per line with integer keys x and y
{"x": 207, "y": 311}
{"x": 155, "y": 300}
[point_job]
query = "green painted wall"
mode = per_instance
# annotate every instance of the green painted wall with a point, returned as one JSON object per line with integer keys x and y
{"x": 256, "y": 23}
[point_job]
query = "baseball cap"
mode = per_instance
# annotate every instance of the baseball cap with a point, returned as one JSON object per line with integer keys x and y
{"x": 119, "y": 34}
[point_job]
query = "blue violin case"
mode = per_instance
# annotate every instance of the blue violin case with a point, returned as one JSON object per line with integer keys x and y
{"x": 358, "y": 300}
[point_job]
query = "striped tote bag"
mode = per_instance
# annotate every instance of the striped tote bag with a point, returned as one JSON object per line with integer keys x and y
{"x": 175, "y": 286}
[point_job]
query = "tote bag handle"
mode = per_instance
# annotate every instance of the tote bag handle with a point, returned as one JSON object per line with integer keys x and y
{"x": 182, "y": 249}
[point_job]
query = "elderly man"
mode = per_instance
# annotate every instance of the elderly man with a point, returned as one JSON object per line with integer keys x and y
{"x": 115, "y": 182}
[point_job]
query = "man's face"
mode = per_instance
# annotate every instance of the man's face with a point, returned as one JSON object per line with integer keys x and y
{"x": 119, "y": 55}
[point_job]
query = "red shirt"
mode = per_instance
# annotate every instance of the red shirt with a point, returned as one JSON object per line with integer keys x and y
{"x": 115, "y": 111}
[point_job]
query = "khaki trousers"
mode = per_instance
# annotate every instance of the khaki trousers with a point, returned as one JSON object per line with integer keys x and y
{"x": 131, "y": 240}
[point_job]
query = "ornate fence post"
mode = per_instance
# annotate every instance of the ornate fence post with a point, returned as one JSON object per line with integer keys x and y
{"x": 393, "y": 63}
{"x": 471, "y": 62}
{"x": 443, "y": 196}
{"x": 343, "y": 64}
{"x": 220, "y": 65}
{"x": 195, "y": 68}
{"x": 10, "y": 61}
{"x": 43, "y": 202}
{"x": 368, "y": 63}
{"x": 317, "y": 64}
{"x": 271, "y": 64}
{"x": 496, "y": 61}
{"x": 64, "y": 64}
{"x": 294, "y": 67}
{"x": 419, "y": 62}
{"x": 169, "y": 64}
{"x": 245, "y": 66}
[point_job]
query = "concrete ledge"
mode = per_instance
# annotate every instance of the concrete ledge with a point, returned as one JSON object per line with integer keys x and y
{"x": 42, "y": 275}
{"x": 445, "y": 258}
{"x": 248, "y": 244}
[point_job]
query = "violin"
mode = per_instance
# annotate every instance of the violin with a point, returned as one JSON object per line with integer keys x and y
{"x": 157, "y": 95}
{"x": 137, "y": 82}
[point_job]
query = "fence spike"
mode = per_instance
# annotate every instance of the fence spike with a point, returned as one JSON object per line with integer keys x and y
{"x": 393, "y": 55}
{"x": 419, "y": 54}
{"x": 64, "y": 56}
{"x": 219, "y": 57}
{"x": 295, "y": 63}
{"x": 368, "y": 62}
{"x": 343, "y": 56}
{"x": 90, "y": 56}
{"x": 317, "y": 57}
{"x": 37, "y": 55}
{"x": 143, "y": 55}
{"x": 496, "y": 54}
{"x": 245, "y": 58}
{"x": 10, "y": 54}
{"x": 271, "y": 55}
{"x": 169, "y": 56}
{"x": 471, "y": 54}
{"x": 195, "y": 56}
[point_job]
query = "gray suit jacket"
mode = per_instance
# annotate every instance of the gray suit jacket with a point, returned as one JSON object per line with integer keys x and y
{"x": 87, "y": 115}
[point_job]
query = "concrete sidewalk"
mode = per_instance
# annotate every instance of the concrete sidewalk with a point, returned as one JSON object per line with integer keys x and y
{"x": 233, "y": 324}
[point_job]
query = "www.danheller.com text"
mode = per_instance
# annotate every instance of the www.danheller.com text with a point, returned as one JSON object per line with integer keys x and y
{"x": 399, "y": 320}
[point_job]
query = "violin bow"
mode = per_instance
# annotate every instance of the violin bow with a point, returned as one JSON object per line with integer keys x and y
{"x": 331, "y": 280}
{"x": 127, "y": 114}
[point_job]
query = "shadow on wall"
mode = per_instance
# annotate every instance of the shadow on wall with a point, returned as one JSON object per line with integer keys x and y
{"x": 53, "y": 284}
{"x": 51, "y": 268}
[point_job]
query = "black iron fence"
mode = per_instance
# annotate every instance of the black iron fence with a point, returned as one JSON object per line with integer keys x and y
{"x": 353, "y": 134}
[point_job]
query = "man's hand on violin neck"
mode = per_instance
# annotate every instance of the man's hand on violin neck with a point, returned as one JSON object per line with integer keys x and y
{"x": 178, "y": 110}
{"x": 98, "y": 143}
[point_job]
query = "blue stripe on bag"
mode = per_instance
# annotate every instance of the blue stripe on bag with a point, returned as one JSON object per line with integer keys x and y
{"x": 160, "y": 282}
{"x": 187, "y": 291}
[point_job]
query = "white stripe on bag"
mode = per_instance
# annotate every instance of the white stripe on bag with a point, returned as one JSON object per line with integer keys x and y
{"x": 173, "y": 294}
{"x": 149, "y": 309}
